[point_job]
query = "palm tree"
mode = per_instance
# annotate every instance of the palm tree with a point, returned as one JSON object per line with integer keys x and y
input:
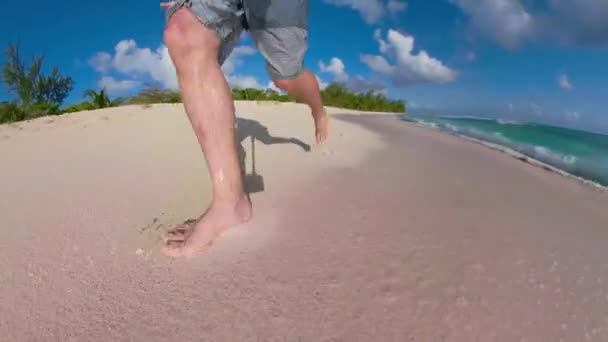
{"x": 98, "y": 99}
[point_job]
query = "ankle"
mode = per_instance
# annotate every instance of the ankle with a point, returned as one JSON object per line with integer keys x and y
{"x": 319, "y": 113}
{"x": 229, "y": 203}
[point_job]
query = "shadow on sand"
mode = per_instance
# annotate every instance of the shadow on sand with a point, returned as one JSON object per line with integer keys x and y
{"x": 253, "y": 131}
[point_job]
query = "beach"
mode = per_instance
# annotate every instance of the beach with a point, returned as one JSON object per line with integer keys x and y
{"x": 389, "y": 232}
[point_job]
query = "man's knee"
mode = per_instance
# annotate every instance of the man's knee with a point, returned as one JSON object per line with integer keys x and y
{"x": 185, "y": 33}
{"x": 283, "y": 84}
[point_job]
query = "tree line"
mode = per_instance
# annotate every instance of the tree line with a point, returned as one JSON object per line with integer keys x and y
{"x": 36, "y": 94}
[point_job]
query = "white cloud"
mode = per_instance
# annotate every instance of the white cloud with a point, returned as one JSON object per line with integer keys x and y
{"x": 408, "y": 68}
{"x": 579, "y": 22}
{"x": 358, "y": 84}
{"x": 114, "y": 87}
{"x": 507, "y": 21}
{"x": 135, "y": 62}
{"x": 273, "y": 87}
{"x": 244, "y": 82}
{"x": 236, "y": 58}
{"x": 395, "y": 6}
{"x": 564, "y": 82}
{"x": 101, "y": 62}
{"x": 378, "y": 64}
{"x": 140, "y": 65}
{"x": 573, "y": 115}
{"x": 371, "y": 10}
{"x": 322, "y": 84}
{"x": 336, "y": 67}
{"x": 378, "y": 37}
{"x": 129, "y": 59}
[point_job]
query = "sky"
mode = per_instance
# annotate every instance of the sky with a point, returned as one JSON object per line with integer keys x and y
{"x": 532, "y": 60}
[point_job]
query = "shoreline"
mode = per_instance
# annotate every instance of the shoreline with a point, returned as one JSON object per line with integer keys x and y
{"x": 524, "y": 158}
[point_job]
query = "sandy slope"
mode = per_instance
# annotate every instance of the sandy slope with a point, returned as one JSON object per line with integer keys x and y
{"x": 390, "y": 233}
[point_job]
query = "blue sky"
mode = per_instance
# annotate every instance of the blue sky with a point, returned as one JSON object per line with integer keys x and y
{"x": 537, "y": 60}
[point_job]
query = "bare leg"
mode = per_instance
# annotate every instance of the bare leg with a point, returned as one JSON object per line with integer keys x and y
{"x": 208, "y": 103}
{"x": 305, "y": 88}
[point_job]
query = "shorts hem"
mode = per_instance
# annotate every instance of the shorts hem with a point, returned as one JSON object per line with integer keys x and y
{"x": 274, "y": 76}
{"x": 179, "y": 4}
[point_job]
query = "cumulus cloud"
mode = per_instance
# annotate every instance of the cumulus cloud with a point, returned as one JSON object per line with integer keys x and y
{"x": 507, "y": 21}
{"x": 322, "y": 84}
{"x": 335, "y": 67}
{"x": 236, "y": 58}
{"x": 378, "y": 64}
{"x": 580, "y": 22}
{"x": 136, "y": 63}
{"x": 244, "y": 82}
{"x": 510, "y": 23}
{"x": 114, "y": 86}
{"x": 101, "y": 62}
{"x": 564, "y": 82}
{"x": 408, "y": 68}
{"x": 141, "y": 65}
{"x": 371, "y": 10}
{"x": 157, "y": 64}
{"x": 357, "y": 84}
{"x": 273, "y": 87}
{"x": 395, "y": 6}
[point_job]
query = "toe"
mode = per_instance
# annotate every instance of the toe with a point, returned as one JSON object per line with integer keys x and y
{"x": 174, "y": 249}
{"x": 182, "y": 250}
{"x": 171, "y": 237}
{"x": 177, "y": 234}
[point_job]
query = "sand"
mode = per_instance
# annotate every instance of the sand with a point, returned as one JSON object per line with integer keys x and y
{"x": 391, "y": 232}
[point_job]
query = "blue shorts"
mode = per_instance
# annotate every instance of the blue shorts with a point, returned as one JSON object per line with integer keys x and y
{"x": 278, "y": 27}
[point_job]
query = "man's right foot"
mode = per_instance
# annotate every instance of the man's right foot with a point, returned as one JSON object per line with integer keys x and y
{"x": 192, "y": 239}
{"x": 321, "y": 127}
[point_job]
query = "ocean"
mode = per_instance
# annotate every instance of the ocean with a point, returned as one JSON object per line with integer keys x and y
{"x": 579, "y": 153}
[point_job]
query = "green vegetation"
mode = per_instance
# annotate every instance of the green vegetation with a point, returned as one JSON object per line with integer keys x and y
{"x": 259, "y": 95}
{"x": 37, "y": 94}
{"x": 100, "y": 99}
{"x": 154, "y": 95}
{"x": 97, "y": 100}
{"x": 336, "y": 95}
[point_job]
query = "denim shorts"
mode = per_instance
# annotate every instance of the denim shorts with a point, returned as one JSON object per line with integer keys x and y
{"x": 278, "y": 27}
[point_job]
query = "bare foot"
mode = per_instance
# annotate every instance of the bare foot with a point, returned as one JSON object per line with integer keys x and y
{"x": 321, "y": 127}
{"x": 192, "y": 238}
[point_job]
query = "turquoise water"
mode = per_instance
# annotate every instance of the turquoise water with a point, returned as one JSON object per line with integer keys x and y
{"x": 580, "y": 153}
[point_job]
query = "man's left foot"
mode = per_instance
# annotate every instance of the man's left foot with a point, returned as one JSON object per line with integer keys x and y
{"x": 321, "y": 127}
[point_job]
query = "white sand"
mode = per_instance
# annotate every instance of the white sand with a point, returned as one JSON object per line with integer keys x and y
{"x": 389, "y": 233}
